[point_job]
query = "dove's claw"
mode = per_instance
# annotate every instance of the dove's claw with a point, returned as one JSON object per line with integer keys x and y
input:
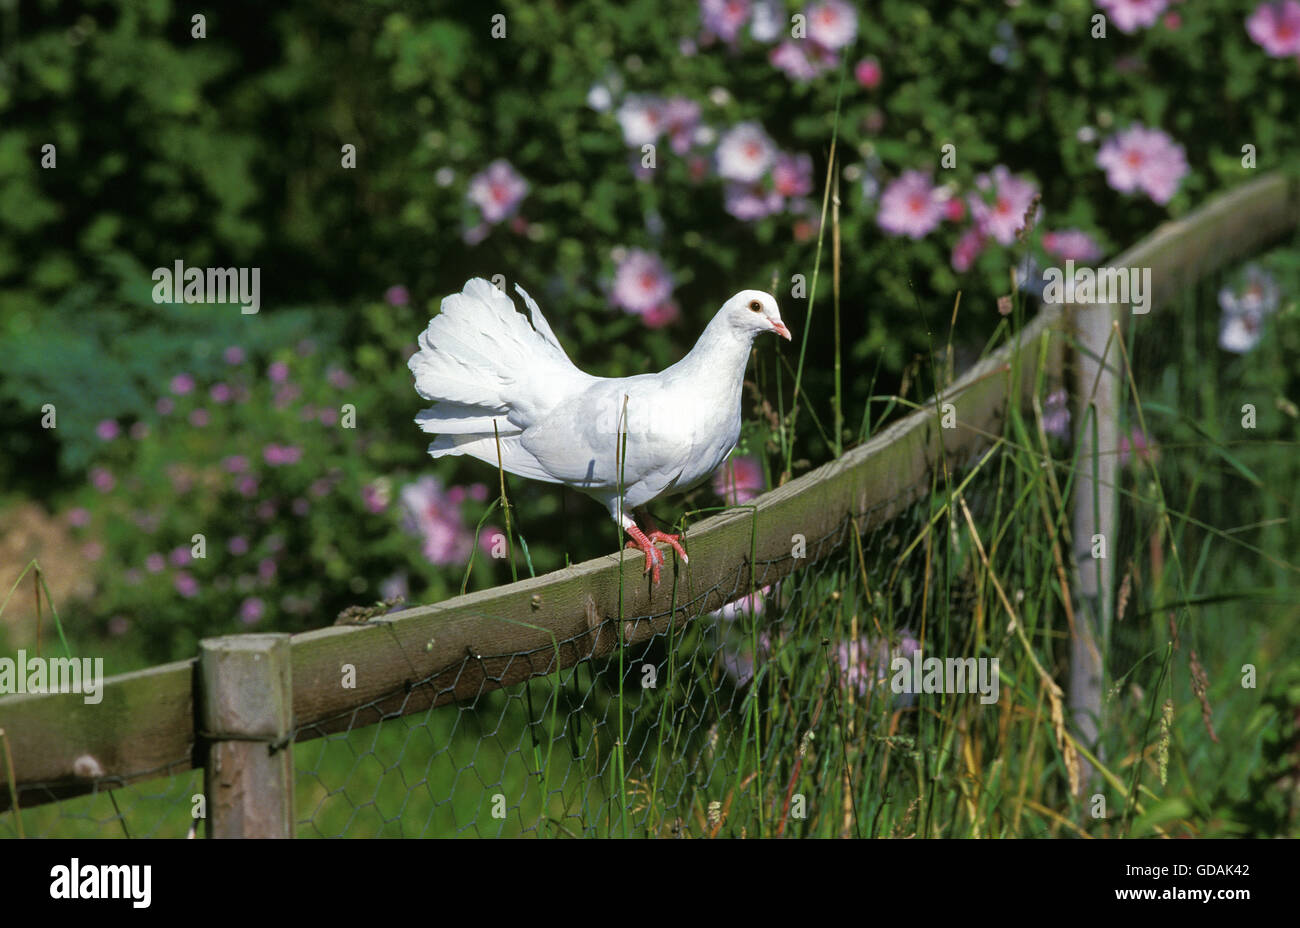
{"x": 653, "y": 556}
{"x": 673, "y": 541}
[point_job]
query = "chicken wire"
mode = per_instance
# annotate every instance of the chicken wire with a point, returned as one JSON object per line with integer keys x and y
{"x": 713, "y": 742}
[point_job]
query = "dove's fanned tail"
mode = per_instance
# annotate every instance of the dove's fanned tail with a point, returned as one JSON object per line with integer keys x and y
{"x": 481, "y": 362}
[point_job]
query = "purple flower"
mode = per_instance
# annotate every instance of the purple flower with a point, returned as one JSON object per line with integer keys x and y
{"x": 832, "y": 24}
{"x": 102, "y": 479}
{"x": 199, "y": 417}
{"x": 265, "y": 510}
{"x": 1130, "y": 15}
{"x": 739, "y": 480}
{"x": 1005, "y": 216}
{"x": 376, "y": 495}
{"x": 328, "y": 416}
{"x": 266, "y": 569}
{"x": 300, "y": 507}
{"x": 1143, "y": 159}
{"x": 234, "y": 355}
{"x": 1071, "y": 245}
{"x": 235, "y": 463}
{"x": 247, "y": 486}
{"x": 107, "y": 429}
{"x": 681, "y": 117}
{"x": 791, "y": 58}
{"x": 397, "y": 295}
{"x": 428, "y": 513}
{"x": 320, "y": 487}
{"x": 744, "y": 153}
{"x": 792, "y": 175}
{"x": 1135, "y": 443}
{"x": 478, "y": 492}
{"x": 910, "y": 206}
{"x": 641, "y": 282}
{"x": 750, "y": 202}
{"x": 338, "y": 377}
{"x": 1056, "y": 414}
{"x": 180, "y": 556}
{"x": 221, "y": 393}
{"x": 276, "y": 455}
{"x": 497, "y": 191}
{"x": 186, "y": 585}
{"x": 165, "y": 405}
{"x": 182, "y": 384}
{"x": 724, "y": 18}
{"x": 967, "y": 249}
{"x": 251, "y": 610}
{"x": 78, "y": 517}
{"x": 865, "y": 663}
{"x": 155, "y": 563}
{"x": 237, "y": 545}
{"x": 278, "y": 372}
{"x": 1275, "y": 27}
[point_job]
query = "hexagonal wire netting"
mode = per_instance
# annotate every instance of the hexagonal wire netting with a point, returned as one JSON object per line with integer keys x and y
{"x": 713, "y": 741}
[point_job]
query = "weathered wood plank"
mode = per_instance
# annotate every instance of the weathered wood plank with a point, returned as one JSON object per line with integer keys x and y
{"x": 247, "y": 711}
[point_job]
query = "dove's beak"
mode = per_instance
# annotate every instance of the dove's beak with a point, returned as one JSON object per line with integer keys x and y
{"x": 780, "y": 329}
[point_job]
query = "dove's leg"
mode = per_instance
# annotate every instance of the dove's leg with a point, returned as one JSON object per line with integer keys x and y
{"x": 674, "y": 541}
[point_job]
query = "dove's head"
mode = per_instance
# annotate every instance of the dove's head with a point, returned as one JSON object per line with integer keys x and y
{"x": 753, "y": 311}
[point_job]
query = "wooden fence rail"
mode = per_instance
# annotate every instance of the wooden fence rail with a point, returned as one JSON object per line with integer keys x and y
{"x": 159, "y": 721}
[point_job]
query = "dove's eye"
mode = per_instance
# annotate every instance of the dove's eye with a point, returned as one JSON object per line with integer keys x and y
{"x": 756, "y": 306}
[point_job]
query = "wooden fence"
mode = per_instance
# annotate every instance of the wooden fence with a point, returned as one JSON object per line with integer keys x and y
{"x": 237, "y": 708}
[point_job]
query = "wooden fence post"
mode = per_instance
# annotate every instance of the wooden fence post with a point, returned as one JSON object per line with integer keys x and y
{"x": 1095, "y": 500}
{"x": 246, "y": 712}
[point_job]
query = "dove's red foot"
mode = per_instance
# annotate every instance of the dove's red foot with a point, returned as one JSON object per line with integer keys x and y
{"x": 653, "y": 557}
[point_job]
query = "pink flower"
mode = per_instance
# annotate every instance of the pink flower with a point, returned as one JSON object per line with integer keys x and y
{"x": 1135, "y": 443}
{"x": 428, "y": 513}
{"x": 165, "y": 405}
{"x": 792, "y": 175}
{"x": 247, "y": 486}
{"x": 641, "y": 282}
{"x": 739, "y": 480}
{"x": 478, "y": 492}
{"x": 155, "y": 563}
{"x": 1056, "y": 414}
{"x": 724, "y": 18}
{"x": 186, "y": 585}
{"x": 1071, "y": 244}
{"x": 790, "y": 58}
{"x": 656, "y": 317}
{"x": 954, "y": 209}
{"x": 266, "y": 569}
{"x": 868, "y": 73}
{"x": 744, "y": 153}
{"x": 328, "y": 416}
{"x": 182, "y": 384}
{"x": 1130, "y": 15}
{"x": 300, "y": 507}
{"x": 180, "y": 556}
{"x": 78, "y": 517}
{"x": 278, "y": 372}
{"x": 251, "y": 610}
{"x": 237, "y": 545}
{"x": 1005, "y": 216}
{"x": 235, "y": 463}
{"x": 832, "y": 24}
{"x": 397, "y": 295}
{"x": 497, "y": 191}
{"x": 641, "y": 119}
{"x": 967, "y": 249}
{"x": 199, "y": 417}
{"x": 233, "y": 355}
{"x": 1143, "y": 159}
{"x": 107, "y": 429}
{"x": 221, "y": 393}
{"x": 1275, "y": 27}
{"x": 910, "y": 206}
{"x": 102, "y": 479}
{"x": 265, "y": 510}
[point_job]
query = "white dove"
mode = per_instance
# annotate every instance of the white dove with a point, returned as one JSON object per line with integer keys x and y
{"x": 481, "y": 364}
